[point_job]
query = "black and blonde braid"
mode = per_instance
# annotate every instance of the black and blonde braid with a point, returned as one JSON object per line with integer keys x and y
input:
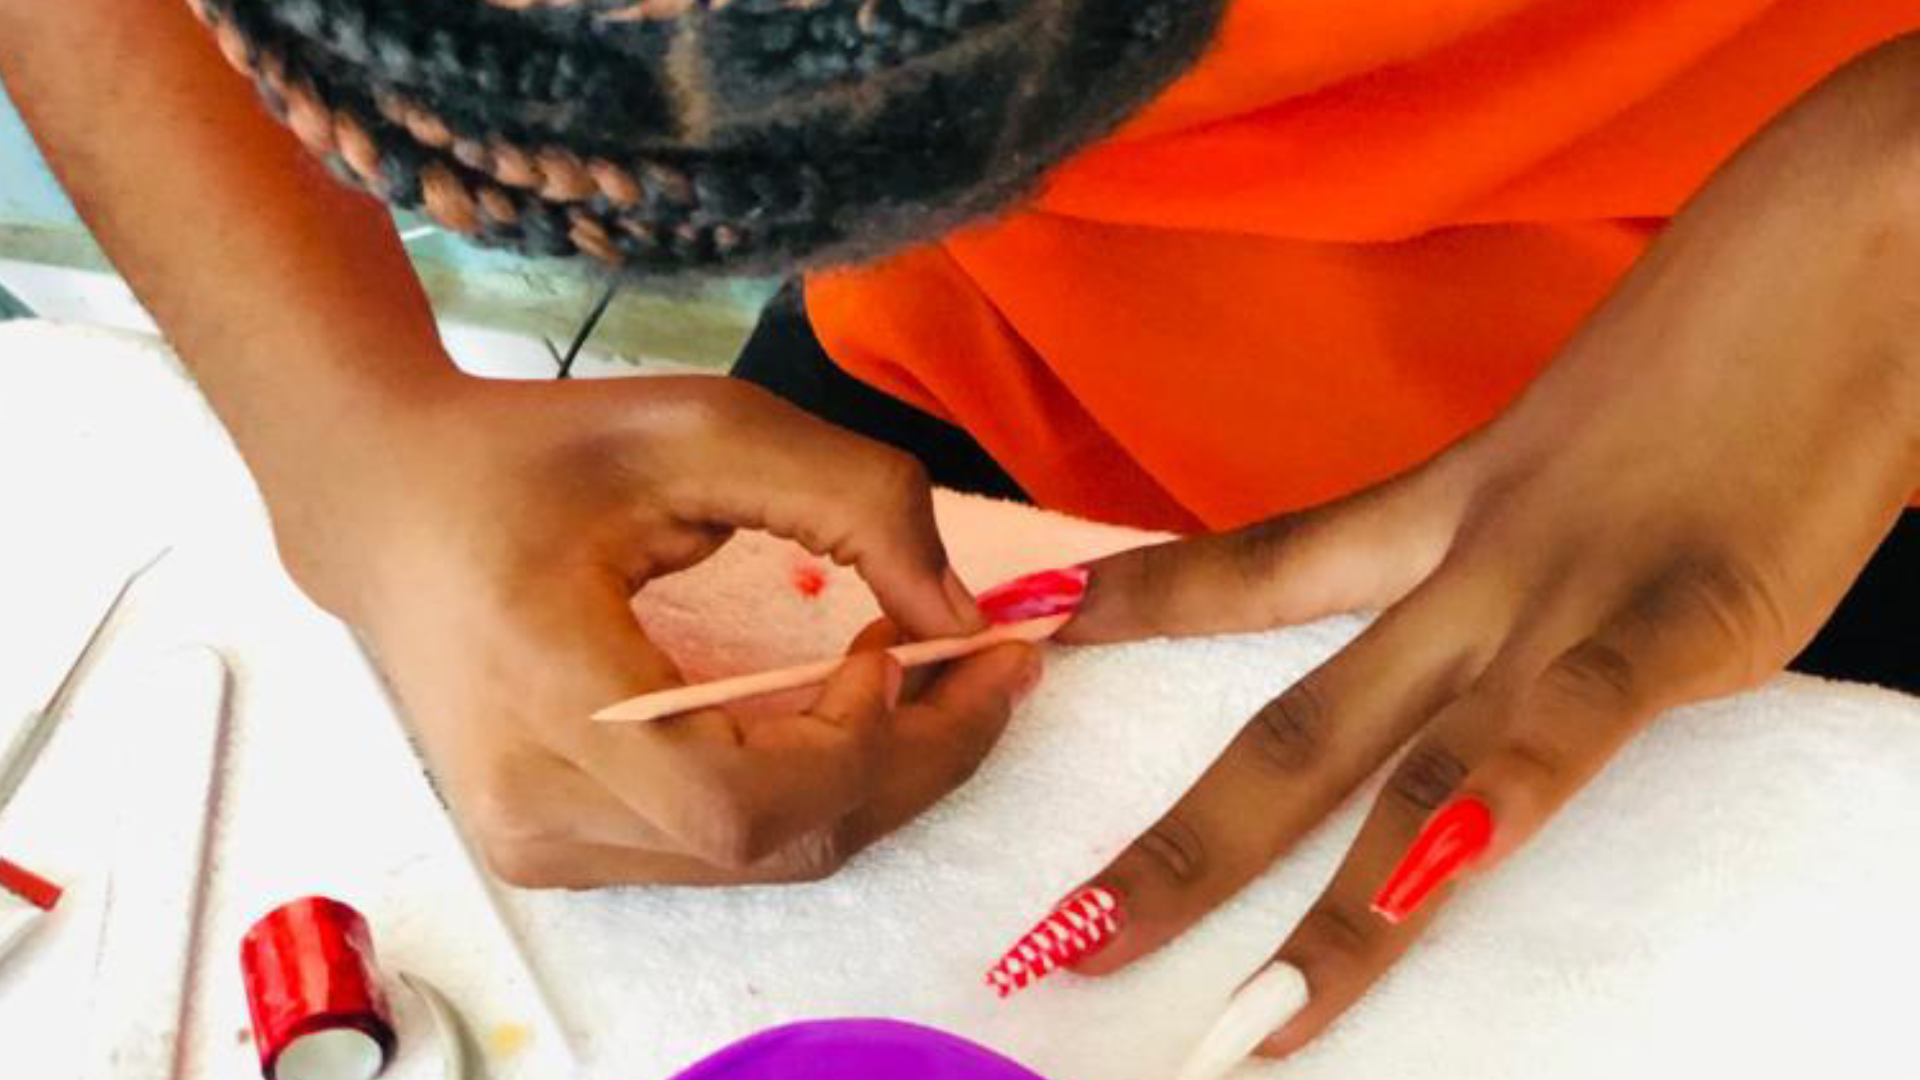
{"x": 680, "y": 137}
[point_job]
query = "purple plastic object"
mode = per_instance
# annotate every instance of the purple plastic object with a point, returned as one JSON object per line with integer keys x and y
{"x": 856, "y": 1050}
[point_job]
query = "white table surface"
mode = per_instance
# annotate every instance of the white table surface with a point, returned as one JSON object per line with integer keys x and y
{"x": 320, "y": 794}
{"x": 1557, "y": 967}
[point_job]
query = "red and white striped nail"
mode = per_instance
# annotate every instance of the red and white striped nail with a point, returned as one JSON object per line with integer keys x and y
{"x": 1035, "y": 596}
{"x": 1080, "y": 926}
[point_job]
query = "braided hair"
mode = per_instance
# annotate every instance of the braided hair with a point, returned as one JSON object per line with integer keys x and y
{"x": 692, "y": 137}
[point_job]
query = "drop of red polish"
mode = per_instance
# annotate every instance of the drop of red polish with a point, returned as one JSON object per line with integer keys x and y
{"x": 809, "y": 580}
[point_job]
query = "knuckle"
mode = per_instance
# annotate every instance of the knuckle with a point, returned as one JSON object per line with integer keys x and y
{"x": 1598, "y": 675}
{"x": 1262, "y": 547}
{"x": 1174, "y": 850}
{"x": 1289, "y": 733}
{"x": 726, "y": 837}
{"x": 816, "y": 856}
{"x": 897, "y": 480}
{"x": 1427, "y": 778}
{"x": 1720, "y": 616}
{"x": 1720, "y": 591}
{"x": 1332, "y": 937}
{"x": 502, "y": 805}
{"x": 1547, "y": 765}
{"x": 710, "y": 819}
{"x": 1154, "y": 585}
{"x": 523, "y": 864}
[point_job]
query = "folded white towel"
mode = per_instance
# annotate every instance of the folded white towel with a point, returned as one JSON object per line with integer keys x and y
{"x": 1734, "y": 897}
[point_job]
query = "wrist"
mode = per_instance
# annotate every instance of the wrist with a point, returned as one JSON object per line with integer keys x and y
{"x": 1864, "y": 133}
{"x": 334, "y": 468}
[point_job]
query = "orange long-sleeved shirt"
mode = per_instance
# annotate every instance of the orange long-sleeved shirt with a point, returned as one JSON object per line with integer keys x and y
{"x": 1349, "y": 236}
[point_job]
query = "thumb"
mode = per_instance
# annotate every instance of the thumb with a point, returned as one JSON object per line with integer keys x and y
{"x": 1363, "y": 552}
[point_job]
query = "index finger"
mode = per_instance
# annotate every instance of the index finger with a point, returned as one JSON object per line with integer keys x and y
{"x": 1363, "y": 552}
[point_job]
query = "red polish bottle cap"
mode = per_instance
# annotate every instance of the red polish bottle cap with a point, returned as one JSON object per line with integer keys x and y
{"x": 317, "y": 1012}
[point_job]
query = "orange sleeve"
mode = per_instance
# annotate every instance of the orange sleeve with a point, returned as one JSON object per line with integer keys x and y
{"x": 1350, "y": 236}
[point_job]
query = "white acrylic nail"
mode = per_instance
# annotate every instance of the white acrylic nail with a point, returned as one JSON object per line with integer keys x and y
{"x": 1255, "y": 1011}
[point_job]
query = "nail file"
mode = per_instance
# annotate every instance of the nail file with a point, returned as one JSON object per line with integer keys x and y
{"x": 24, "y": 749}
{"x": 27, "y": 897}
{"x": 178, "y": 739}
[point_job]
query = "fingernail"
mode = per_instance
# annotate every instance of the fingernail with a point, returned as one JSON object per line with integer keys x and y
{"x": 1259, "y": 1008}
{"x": 1080, "y": 926}
{"x": 1453, "y": 837}
{"x": 1035, "y": 596}
{"x": 896, "y": 680}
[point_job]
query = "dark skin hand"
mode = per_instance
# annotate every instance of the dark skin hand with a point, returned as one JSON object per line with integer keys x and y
{"x": 1669, "y": 514}
{"x": 486, "y": 536}
{"x": 489, "y": 550}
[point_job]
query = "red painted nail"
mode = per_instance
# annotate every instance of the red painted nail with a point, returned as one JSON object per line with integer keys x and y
{"x": 1080, "y": 926}
{"x": 28, "y": 886}
{"x": 1035, "y": 596}
{"x": 1454, "y": 836}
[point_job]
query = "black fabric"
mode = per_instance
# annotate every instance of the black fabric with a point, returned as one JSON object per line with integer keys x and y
{"x": 1874, "y": 636}
{"x": 784, "y": 356}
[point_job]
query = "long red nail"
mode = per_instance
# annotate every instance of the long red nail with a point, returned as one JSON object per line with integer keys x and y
{"x": 1454, "y": 836}
{"x": 1035, "y": 596}
{"x": 1082, "y": 925}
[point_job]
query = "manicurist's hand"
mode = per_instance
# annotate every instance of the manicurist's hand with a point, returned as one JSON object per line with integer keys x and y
{"x": 486, "y": 536}
{"x": 488, "y": 543}
{"x": 1667, "y": 515}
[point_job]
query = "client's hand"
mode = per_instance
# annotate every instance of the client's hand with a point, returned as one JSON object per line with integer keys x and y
{"x": 1667, "y": 515}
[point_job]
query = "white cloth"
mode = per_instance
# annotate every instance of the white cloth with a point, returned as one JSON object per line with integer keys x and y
{"x": 1733, "y": 897}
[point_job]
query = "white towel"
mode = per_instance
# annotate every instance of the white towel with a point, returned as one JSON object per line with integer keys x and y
{"x": 1734, "y": 897}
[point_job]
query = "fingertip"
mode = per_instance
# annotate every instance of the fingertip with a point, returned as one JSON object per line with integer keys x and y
{"x": 970, "y": 699}
{"x": 1106, "y": 962}
{"x": 857, "y": 693}
{"x": 924, "y": 603}
{"x": 1129, "y": 941}
{"x": 1292, "y": 1034}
